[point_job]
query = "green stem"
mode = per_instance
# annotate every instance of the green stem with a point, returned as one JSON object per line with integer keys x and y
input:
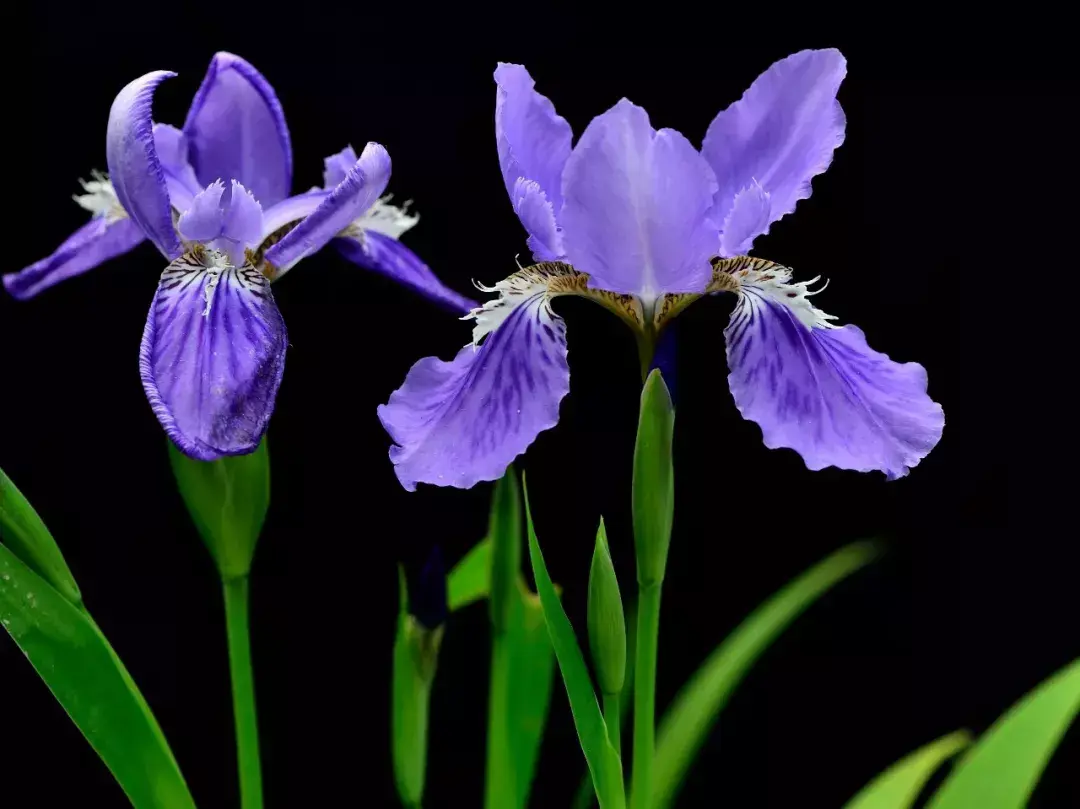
{"x": 500, "y": 787}
{"x": 646, "y": 346}
{"x": 612, "y": 717}
{"x": 648, "y": 632}
{"x": 243, "y": 689}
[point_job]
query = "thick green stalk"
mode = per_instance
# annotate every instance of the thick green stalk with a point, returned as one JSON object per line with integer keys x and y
{"x": 500, "y": 788}
{"x": 612, "y": 717}
{"x": 648, "y": 632}
{"x": 243, "y": 689}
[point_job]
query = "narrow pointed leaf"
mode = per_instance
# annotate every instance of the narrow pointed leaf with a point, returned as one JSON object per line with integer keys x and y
{"x": 81, "y": 669}
{"x": 585, "y": 797}
{"x": 1002, "y": 769}
{"x": 227, "y": 499}
{"x": 26, "y": 536}
{"x": 603, "y": 761}
{"x": 900, "y": 785}
{"x": 470, "y": 578}
{"x": 691, "y": 716}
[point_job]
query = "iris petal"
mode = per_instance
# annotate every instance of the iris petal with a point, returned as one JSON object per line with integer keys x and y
{"x": 236, "y": 130}
{"x": 134, "y": 168}
{"x": 532, "y": 139}
{"x": 93, "y": 244}
{"x": 363, "y": 185}
{"x": 781, "y": 133}
{"x": 389, "y": 257}
{"x": 461, "y": 422}
{"x": 180, "y": 179}
{"x": 536, "y": 214}
{"x": 824, "y": 392}
{"x": 637, "y": 210}
{"x": 212, "y": 356}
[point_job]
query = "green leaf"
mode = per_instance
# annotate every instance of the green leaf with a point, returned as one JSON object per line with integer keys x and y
{"x": 900, "y": 785}
{"x": 470, "y": 578}
{"x": 522, "y": 660}
{"x": 695, "y": 708}
{"x": 653, "y": 497}
{"x": 1002, "y": 769}
{"x": 81, "y": 669}
{"x": 532, "y": 672}
{"x": 26, "y": 536}
{"x": 504, "y": 529}
{"x": 603, "y": 761}
{"x": 227, "y": 499}
{"x": 585, "y": 797}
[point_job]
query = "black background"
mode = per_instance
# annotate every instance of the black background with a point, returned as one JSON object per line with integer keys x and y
{"x": 932, "y": 224}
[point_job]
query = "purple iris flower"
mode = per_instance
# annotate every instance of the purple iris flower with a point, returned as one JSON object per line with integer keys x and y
{"x": 213, "y": 197}
{"x": 643, "y": 223}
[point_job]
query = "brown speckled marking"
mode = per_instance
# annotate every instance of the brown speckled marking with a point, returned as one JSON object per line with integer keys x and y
{"x": 563, "y": 279}
{"x": 257, "y": 256}
{"x": 727, "y": 276}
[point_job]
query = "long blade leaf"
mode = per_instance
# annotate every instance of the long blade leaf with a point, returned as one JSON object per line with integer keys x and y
{"x": 899, "y": 786}
{"x": 1002, "y": 769}
{"x": 532, "y": 672}
{"x": 694, "y": 710}
{"x": 470, "y": 579}
{"x": 26, "y": 536}
{"x": 83, "y": 672}
{"x": 603, "y": 761}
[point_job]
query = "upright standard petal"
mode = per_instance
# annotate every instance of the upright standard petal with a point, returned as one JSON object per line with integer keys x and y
{"x": 781, "y": 133}
{"x": 236, "y": 130}
{"x": 747, "y": 219}
{"x": 203, "y": 221}
{"x": 385, "y": 255}
{"x": 461, "y": 422}
{"x": 90, "y": 246}
{"x": 362, "y": 186}
{"x": 536, "y": 214}
{"x": 180, "y": 179}
{"x": 532, "y": 139}
{"x": 134, "y": 168}
{"x": 212, "y": 355}
{"x": 336, "y": 167}
{"x": 820, "y": 390}
{"x": 636, "y": 215}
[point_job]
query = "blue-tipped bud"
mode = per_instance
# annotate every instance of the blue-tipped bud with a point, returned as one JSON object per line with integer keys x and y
{"x": 665, "y": 356}
{"x": 427, "y": 600}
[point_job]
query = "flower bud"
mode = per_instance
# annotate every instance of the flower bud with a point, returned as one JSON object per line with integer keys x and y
{"x": 227, "y": 499}
{"x": 607, "y": 625}
{"x": 654, "y": 481}
{"x": 416, "y": 654}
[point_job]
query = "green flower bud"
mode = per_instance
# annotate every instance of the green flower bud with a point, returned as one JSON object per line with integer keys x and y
{"x": 654, "y": 481}
{"x": 416, "y": 655}
{"x": 607, "y": 625}
{"x": 228, "y": 499}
